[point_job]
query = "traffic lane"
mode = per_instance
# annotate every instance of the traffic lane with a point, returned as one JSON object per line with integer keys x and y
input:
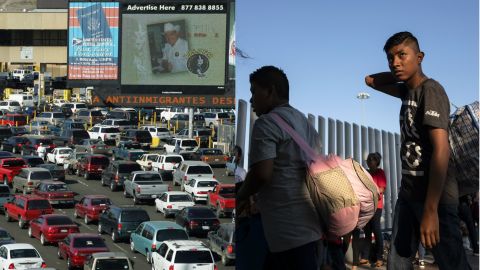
{"x": 86, "y": 187}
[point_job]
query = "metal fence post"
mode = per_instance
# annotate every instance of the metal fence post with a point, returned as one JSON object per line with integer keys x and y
{"x": 388, "y": 191}
{"x": 348, "y": 140}
{"x": 331, "y": 136}
{"x": 321, "y": 132}
{"x": 340, "y": 141}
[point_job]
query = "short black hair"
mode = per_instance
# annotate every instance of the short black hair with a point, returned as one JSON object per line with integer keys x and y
{"x": 375, "y": 156}
{"x": 238, "y": 149}
{"x": 271, "y": 77}
{"x": 399, "y": 38}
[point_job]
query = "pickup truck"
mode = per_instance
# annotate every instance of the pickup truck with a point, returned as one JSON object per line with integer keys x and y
{"x": 144, "y": 185}
{"x": 186, "y": 145}
{"x": 127, "y": 150}
{"x": 107, "y": 260}
{"x": 222, "y": 199}
{"x": 9, "y": 168}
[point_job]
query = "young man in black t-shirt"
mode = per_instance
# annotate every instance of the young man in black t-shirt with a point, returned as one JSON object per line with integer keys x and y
{"x": 426, "y": 209}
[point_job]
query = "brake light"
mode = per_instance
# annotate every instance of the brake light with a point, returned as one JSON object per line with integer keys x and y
{"x": 171, "y": 267}
{"x": 215, "y": 267}
{"x": 44, "y": 265}
{"x": 214, "y": 177}
{"x": 229, "y": 249}
{"x": 201, "y": 192}
{"x": 185, "y": 178}
{"x": 53, "y": 230}
{"x": 94, "y": 146}
{"x": 11, "y": 266}
{"x": 119, "y": 226}
{"x": 154, "y": 246}
{"x": 52, "y": 146}
{"x": 169, "y": 206}
{"x": 19, "y": 144}
{"x": 170, "y": 188}
{"x": 138, "y": 189}
{"x": 225, "y": 158}
{"x": 193, "y": 223}
{"x": 30, "y": 183}
{"x": 117, "y": 178}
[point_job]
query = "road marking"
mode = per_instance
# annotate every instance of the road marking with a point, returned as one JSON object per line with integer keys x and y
{"x": 120, "y": 247}
{"x": 83, "y": 183}
{"x": 86, "y": 226}
{"x": 61, "y": 210}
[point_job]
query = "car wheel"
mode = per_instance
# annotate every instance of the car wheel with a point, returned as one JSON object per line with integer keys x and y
{"x": 219, "y": 211}
{"x": 69, "y": 264}
{"x": 75, "y": 214}
{"x": 21, "y": 223}
{"x": 30, "y": 232}
{"x": 58, "y": 254}
{"x": 102, "y": 181}
{"x": 115, "y": 236}
{"x": 86, "y": 219}
{"x": 86, "y": 176}
{"x": 148, "y": 257}
{"x": 225, "y": 259}
{"x": 7, "y": 216}
{"x": 14, "y": 150}
{"x": 132, "y": 246}
{"x": 5, "y": 180}
{"x": 100, "y": 230}
{"x": 43, "y": 241}
{"x": 112, "y": 186}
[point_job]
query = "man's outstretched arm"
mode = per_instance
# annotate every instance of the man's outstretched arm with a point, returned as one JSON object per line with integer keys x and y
{"x": 384, "y": 82}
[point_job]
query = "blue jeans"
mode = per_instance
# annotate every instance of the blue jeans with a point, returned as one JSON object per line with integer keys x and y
{"x": 449, "y": 253}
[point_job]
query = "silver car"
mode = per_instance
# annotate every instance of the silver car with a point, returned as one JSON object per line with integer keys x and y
{"x": 29, "y": 178}
{"x": 93, "y": 146}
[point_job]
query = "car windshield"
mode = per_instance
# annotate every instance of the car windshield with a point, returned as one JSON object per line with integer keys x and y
{"x": 196, "y": 257}
{"x": 88, "y": 242}
{"x": 108, "y": 264}
{"x": 128, "y": 168}
{"x": 38, "y": 204}
{"x": 4, "y": 190}
{"x": 212, "y": 152}
{"x": 14, "y": 103}
{"x": 135, "y": 155}
{"x": 201, "y": 213}
{"x": 173, "y": 159}
{"x": 171, "y": 234}
{"x": 57, "y": 187}
{"x": 77, "y": 125}
{"x": 59, "y": 220}
{"x": 180, "y": 198}
{"x": 13, "y": 163}
{"x": 4, "y": 235}
{"x": 162, "y": 130}
{"x": 96, "y": 113}
{"x": 204, "y": 132}
{"x": 20, "y": 118}
{"x": 122, "y": 123}
{"x": 146, "y": 177}
{"x": 99, "y": 201}
{"x": 67, "y": 105}
{"x": 206, "y": 184}
{"x": 139, "y": 216}
{"x": 40, "y": 175}
{"x": 200, "y": 170}
{"x": 35, "y": 161}
{"x": 58, "y": 115}
{"x": 81, "y": 106}
{"x": 111, "y": 130}
{"x": 152, "y": 157}
{"x": 65, "y": 151}
{"x": 189, "y": 143}
{"x": 45, "y": 141}
{"x": 24, "y": 253}
{"x": 229, "y": 190}
{"x": 100, "y": 161}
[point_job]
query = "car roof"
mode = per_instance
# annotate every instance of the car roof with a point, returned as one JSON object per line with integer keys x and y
{"x": 19, "y": 246}
{"x": 186, "y": 244}
{"x": 51, "y": 182}
{"x": 78, "y": 235}
{"x": 176, "y": 193}
{"x": 161, "y": 225}
{"x": 63, "y": 148}
{"x": 110, "y": 255}
{"x": 35, "y": 169}
{"x": 31, "y": 157}
{"x": 145, "y": 172}
{"x": 96, "y": 196}
{"x": 194, "y": 162}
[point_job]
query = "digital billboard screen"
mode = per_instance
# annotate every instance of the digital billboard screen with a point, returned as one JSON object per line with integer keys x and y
{"x": 174, "y": 48}
{"x": 93, "y": 40}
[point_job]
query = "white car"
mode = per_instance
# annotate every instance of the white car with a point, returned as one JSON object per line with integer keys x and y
{"x": 59, "y": 154}
{"x": 161, "y": 132}
{"x": 74, "y": 106}
{"x": 199, "y": 187}
{"x": 183, "y": 254}
{"x": 20, "y": 256}
{"x": 59, "y": 102}
{"x": 10, "y": 105}
{"x": 166, "y": 163}
{"x": 189, "y": 169}
{"x": 146, "y": 161}
{"x": 172, "y": 202}
{"x": 104, "y": 133}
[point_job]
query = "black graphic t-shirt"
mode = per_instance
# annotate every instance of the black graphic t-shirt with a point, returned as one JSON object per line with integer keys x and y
{"x": 422, "y": 108}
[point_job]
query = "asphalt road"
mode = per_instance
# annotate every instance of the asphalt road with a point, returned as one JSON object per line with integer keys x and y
{"x": 87, "y": 187}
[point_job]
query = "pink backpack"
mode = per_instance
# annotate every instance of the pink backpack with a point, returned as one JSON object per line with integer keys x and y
{"x": 342, "y": 191}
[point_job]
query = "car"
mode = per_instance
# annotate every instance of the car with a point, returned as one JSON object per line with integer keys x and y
{"x": 150, "y": 234}
{"x": 143, "y": 137}
{"x": 199, "y": 187}
{"x": 181, "y": 120}
{"x": 222, "y": 199}
{"x": 211, "y": 156}
{"x": 129, "y": 115}
{"x": 58, "y": 155}
{"x": 13, "y": 119}
{"x": 51, "y": 228}
{"x": 108, "y": 261}
{"x": 5, "y": 195}
{"x": 93, "y": 146}
{"x": 9, "y": 168}
{"x": 5, "y": 154}
{"x": 58, "y": 173}
{"x": 30, "y": 147}
{"x": 201, "y": 135}
{"x": 92, "y": 165}
{"x": 189, "y": 169}
{"x": 33, "y": 161}
{"x": 74, "y": 106}
{"x": 73, "y": 124}
{"x": 90, "y": 116}
{"x": 17, "y": 131}
{"x": 121, "y": 221}
{"x": 14, "y": 144}
{"x": 73, "y": 136}
{"x": 184, "y": 145}
{"x": 183, "y": 254}
{"x": 117, "y": 172}
{"x": 59, "y": 102}
{"x": 29, "y": 178}
{"x": 213, "y": 119}
{"x": 55, "y": 192}
{"x": 20, "y": 256}
{"x": 172, "y": 202}
{"x": 70, "y": 162}
{"x": 165, "y": 164}
{"x": 10, "y": 105}
{"x": 90, "y": 207}
{"x": 5, "y": 133}
{"x": 121, "y": 124}
{"x": 161, "y": 132}
{"x": 197, "y": 220}
{"x": 222, "y": 242}
{"x": 105, "y": 133}
{"x": 145, "y": 161}
{"x": 38, "y": 124}
{"x": 77, "y": 246}
{"x": 144, "y": 186}
{"x": 5, "y": 237}
{"x": 25, "y": 208}
{"x": 53, "y": 118}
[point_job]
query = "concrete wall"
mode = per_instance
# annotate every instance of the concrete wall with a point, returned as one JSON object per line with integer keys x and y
{"x": 34, "y": 20}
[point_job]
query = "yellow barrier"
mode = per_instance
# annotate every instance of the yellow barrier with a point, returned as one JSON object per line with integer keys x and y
{"x": 155, "y": 142}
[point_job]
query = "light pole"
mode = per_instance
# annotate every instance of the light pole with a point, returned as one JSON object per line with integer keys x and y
{"x": 363, "y": 96}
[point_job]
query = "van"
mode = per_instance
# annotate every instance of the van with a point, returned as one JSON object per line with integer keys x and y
{"x": 20, "y": 73}
{"x": 25, "y": 100}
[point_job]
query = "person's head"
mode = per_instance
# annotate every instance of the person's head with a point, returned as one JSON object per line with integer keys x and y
{"x": 171, "y": 32}
{"x": 269, "y": 88}
{"x": 237, "y": 153}
{"x": 373, "y": 160}
{"x": 41, "y": 144}
{"x": 404, "y": 56}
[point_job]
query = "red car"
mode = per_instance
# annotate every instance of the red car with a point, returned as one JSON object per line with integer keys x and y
{"x": 52, "y": 228}
{"x": 55, "y": 192}
{"x": 9, "y": 167}
{"x": 76, "y": 246}
{"x": 92, "y": 165}
{"x": 91, "y": 206}
{"x": 14, "y": 120}
{"x": 25, "y": 208}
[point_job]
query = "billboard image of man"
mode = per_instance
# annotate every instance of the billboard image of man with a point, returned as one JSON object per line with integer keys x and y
{"x": 174, "y": 52}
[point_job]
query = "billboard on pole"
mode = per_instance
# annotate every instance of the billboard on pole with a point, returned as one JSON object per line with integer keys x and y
{"x": 93, "y": 40}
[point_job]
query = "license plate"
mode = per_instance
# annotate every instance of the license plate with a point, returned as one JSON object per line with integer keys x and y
{"x": 154, "y": 196}
{"x": 216, "y": 159}
{"x": 206, "y": 227}
{"x": 63, "y": 230}
{"x": 65, "y": 195}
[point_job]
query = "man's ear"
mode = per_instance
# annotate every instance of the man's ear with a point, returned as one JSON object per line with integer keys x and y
{"x": 420, "y": 56}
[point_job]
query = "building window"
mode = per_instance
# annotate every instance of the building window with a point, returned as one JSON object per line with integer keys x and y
{"x": 33, "y": 37}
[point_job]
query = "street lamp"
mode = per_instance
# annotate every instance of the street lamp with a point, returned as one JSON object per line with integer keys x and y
{"x": 363, "y": 96}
